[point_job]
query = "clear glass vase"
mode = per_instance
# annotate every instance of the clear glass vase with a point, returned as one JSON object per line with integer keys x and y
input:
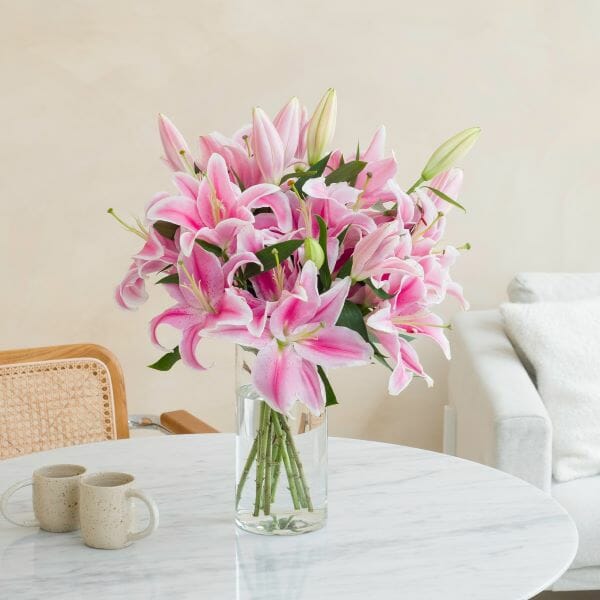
{"x": 281, "y": 462}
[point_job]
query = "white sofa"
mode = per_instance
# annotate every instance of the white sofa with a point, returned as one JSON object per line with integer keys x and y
{"x": 495, "y": 415}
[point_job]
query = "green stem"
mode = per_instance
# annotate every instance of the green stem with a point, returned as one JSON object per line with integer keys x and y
{"x": 269, "y": 465}
{"x": 287, "y": 463}
{"x": 296, "y": 459}
{"x": 246, "y": 471}
{"x": 260, "y": 460}
{"x": 276, "y": 460}
{"x": 415, "y": 185}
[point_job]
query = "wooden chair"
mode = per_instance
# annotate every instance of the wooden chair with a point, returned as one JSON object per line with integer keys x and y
{"x": 66, "y": 395}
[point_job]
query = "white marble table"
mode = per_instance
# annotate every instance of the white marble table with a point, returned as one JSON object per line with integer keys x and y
{"x": 403, "y": 523}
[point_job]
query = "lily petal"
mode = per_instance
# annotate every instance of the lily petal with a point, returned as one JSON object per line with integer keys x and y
{"x": 376, "y": 149}
{"x": 332, "y": 302}
{"x": 217, "y": 174}
{"x": 287, "y": 123}
{"x": 268, "y": 147}
{"x": 179, "y": 317}
{"x": 298, "y": 307}
{"x": 275, "y": 375}
{"x": 270, "y": 196}
{"x": 311, "y": 391}
{"x": 187, "y": 347}
{"x": 180, "y": 210}
{"x": 173, "y": 144}
{"x": 335, "y": 347}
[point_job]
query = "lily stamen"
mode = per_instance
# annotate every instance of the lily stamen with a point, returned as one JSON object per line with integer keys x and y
{"x": 279, "y": 274}
{"x": 307, "y": 334}
{"x": 247, "y": 144}
{"x": 140, "y": 231}
{"x": 407, "y": 323}
{"x": 215, "y": 203}
{"x": 420, "y": 234}
{"x": 189, "y": 165}
{"x": 198, "y": 293}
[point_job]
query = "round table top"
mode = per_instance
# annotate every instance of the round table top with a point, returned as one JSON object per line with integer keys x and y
{"x": 403, "y": 523}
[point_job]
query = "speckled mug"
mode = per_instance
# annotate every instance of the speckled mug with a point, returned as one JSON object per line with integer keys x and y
{"x": 55, "y": 493}
{"x": 107, "y": 511}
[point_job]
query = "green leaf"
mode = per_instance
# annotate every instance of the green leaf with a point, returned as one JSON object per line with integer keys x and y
{"x": 210, "y": 248}
{"x": 166, "y": 229}
{"x": 267, "y": 256}
{"x": 308, "y": 174}
{"x": 347, "y": 172}
{"x": 173, "y": 278}
{"x": 330, "y": 399}
{"x": 346, "y": 268}
{"x": 352, "y": 318}
{"x": 379, "y": 357}
{"x": 324, "y": 272}
{"x": 446, "y": 198}
{"x": 408, "y": 338}
{"x": 164, "y": 363}
{"x": 315, "y": 170}
{"x": 378, "y": 291}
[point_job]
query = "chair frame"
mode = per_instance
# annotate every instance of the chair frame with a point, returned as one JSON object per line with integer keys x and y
{"x": 49, "y": 353}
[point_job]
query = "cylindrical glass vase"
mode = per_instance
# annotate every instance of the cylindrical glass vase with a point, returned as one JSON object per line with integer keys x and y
{"x": 281, "y": 462}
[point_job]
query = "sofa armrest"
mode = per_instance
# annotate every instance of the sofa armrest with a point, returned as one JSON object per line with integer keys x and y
{"x": 500, "y": 418}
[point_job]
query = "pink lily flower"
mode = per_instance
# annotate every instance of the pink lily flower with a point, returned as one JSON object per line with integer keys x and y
{"x": 397, "y": 318}
{"x": 241, "y": 166}
{"x": 287, "y": 123}
{"x": 436, "y": 269}
{"x": 342, "y": 193}
{"x": 174, "y": 145}
{"x": 203, "y": 304}
{"x": 405, "y": 362}
{"x": 131, "y": 293}
{"x": 268, "y": 147}
{"x": 376, "y": 149}
{"x": 301, "y": 150}
{"x": 373, "y": 180}
{"x": 211, "y": 210}
{"x": 372, "y": 250}
{"x": 304, "y": 335}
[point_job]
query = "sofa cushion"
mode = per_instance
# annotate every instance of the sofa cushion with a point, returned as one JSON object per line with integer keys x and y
{"x": 581, "y": 499}
{"x": 562, "y": 342}
{"x": 547, "y": 287}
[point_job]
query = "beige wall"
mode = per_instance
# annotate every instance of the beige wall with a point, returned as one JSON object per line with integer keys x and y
{"x": 82, "y": 83}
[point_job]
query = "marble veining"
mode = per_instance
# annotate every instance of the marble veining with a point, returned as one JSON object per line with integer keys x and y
{"x": 403, "y": 523}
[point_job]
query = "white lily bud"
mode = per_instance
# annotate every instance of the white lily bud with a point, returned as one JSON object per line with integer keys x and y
{"x": 321, "y": 127}
{"x": 314, "y": 252}
{"x": 450, "y": 152}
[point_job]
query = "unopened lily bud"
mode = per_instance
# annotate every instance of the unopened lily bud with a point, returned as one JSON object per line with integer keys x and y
{"x": 174, "y": 145}
{"x": 321, "y": 127}
{"x": 450, "y": 152}
{"x": 287, "y": 123}
{"x": 268, "y": 147}
{"x": 314, "y": 252}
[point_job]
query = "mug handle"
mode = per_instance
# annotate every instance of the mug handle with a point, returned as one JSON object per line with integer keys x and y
{"x": 4, "y": 505}
{"x": 152, "y": 510}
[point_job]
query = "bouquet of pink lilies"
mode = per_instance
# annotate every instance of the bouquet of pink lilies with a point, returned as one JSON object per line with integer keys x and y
{"x": 312, "y": 258}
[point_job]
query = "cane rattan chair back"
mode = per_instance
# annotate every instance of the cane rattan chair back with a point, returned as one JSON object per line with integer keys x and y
{"x": 60, "y": 396}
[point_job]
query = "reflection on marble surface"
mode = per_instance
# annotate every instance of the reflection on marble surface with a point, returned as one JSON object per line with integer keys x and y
{"x": 402, "y": 523}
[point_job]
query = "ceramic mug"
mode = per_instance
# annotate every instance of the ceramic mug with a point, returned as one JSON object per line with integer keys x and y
{"x": 107, "y": 510}
{"x": 55, "y": 496}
